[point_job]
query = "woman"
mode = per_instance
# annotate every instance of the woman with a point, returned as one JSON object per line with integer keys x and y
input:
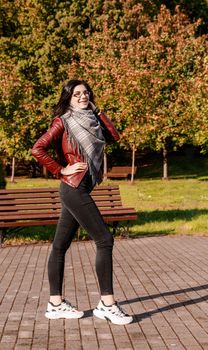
{"x": 79, "y": 132}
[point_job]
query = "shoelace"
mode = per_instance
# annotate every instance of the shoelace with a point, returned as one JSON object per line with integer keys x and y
{"x": 117, "y": 309}
{"x": 68, "y": 304}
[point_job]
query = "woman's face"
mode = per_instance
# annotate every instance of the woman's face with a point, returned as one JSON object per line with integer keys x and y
{"x": 80, "y": 97}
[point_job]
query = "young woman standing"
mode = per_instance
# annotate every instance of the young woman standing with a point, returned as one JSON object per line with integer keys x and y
{"x": 79, "y": 132}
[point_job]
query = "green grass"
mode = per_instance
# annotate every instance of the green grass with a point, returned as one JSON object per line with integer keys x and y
{"x": 168, "y": 207}
{"x": 176, "y": 206}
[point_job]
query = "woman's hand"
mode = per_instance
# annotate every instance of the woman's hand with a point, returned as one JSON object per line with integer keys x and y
{"x": 93, "y": 107}
{"x": 73, "y": 169}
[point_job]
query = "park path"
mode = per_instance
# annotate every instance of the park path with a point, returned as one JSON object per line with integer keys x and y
{"x": 162, "y": 281}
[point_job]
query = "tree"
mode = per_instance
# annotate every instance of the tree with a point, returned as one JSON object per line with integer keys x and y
{"x": 147, "y": 83}
{"x": 198, "y": 108}
{"x": 171, "y": 62}
{"x": 113, "y": 77}
{"x": 142, "y": 67}
{"x": 37, "y": 40}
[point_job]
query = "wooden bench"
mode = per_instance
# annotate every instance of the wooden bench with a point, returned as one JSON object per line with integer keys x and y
{"x": 120, "y": 172}
{"x": 41, "y": 206}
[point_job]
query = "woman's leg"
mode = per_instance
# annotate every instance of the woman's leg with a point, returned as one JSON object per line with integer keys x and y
{"x": 65, "y": 232}
{"x": 57, "y": 306}
{"x": 84, "y": 210}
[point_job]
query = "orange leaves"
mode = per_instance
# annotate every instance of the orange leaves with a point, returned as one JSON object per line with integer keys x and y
{"x": 150, "y": 75}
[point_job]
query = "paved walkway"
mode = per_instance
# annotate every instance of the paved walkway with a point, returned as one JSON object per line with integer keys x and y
{"x": 163, "y": 281}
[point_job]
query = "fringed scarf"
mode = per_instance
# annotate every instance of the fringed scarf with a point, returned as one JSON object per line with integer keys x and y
{"x": 85, "y": 134}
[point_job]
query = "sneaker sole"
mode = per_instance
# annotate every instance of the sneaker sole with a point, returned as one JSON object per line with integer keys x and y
{"x": 100, "y": 315}
{"x": 57, "y": 316}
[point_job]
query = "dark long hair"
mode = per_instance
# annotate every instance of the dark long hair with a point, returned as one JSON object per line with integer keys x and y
{"x": 66, "y": 94}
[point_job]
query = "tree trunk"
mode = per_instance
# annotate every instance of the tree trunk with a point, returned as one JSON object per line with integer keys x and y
{"x": 105, "y": 166}
{"x": 165, "y": 164}
{"x": 133, "y": 163}
{"x": 13, "y": 169}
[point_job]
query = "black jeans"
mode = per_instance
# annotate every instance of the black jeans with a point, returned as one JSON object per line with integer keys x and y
{"x": 79, "y": 209}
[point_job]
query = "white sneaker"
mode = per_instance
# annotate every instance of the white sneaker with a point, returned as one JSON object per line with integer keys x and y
{"x": 64, "y": 310}
{"x": 113, "y": 313}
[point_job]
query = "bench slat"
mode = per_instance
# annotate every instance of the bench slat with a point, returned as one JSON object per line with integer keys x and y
{"x": 55, "y": 190}
{"x": 13, "y": 203}
{"x": 112, "y": 174}
{"x": 18, "y": 208}
{"x": 16, "y": 201}
{"x": 54, "y": 221}
{"x": 120, "y": 171}
{"x": 54, "y": 213}
{"x": 30, "y": 223}
{"x": 23, "y": 208}
{"x": 29, "y": 190}
{"x": 20, "y": 196}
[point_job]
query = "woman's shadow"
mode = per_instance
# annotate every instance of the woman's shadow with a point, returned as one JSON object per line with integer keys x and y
{"x": 141, "y": 316}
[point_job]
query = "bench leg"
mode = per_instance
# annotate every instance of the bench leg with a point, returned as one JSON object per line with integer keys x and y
{"x": 1, "y": 237}
{"x": 123, "y": 230}
{"x": 115, "y": 225}
{"x": 78, "y": 234}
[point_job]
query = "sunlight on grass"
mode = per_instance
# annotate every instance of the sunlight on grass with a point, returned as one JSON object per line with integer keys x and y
{"x": 23, "y": 182}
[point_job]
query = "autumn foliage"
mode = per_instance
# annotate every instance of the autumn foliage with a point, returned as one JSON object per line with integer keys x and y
{"x": 147, "y": 65}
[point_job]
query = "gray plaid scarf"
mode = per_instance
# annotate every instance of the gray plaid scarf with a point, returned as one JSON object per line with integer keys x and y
{"x": 85, "y": 134}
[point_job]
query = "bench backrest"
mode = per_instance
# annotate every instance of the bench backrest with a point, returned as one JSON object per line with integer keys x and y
{"x": 123, "y": 169}
{"x": 14, "y": 200}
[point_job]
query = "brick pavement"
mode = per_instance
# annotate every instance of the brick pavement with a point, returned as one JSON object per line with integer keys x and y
{"x": 163, "y": 281}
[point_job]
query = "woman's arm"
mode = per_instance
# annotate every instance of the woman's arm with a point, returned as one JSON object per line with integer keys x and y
{"x": 39, "y": 150}
{"x": 110, "y": 132}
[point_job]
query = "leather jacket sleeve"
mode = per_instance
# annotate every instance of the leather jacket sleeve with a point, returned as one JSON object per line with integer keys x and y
{"x": 109, "y": 131}
{"x": 40, "y": 148}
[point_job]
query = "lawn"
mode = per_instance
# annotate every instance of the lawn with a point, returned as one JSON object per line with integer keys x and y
{"x": 175, "y": 206}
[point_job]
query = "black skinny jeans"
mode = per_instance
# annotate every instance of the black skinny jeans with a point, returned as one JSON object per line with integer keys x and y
{"x": 79, "y": 209}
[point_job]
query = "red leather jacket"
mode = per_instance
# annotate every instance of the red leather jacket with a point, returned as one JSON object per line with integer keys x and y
{"x": 56, "y": 137}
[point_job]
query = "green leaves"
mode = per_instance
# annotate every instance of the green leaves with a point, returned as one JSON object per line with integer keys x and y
{"x": 148, "y": 69}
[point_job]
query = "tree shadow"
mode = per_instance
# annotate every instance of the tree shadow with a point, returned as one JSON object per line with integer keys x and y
{"x": 168, "y": 215}
{"x": 141, "y": 316}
